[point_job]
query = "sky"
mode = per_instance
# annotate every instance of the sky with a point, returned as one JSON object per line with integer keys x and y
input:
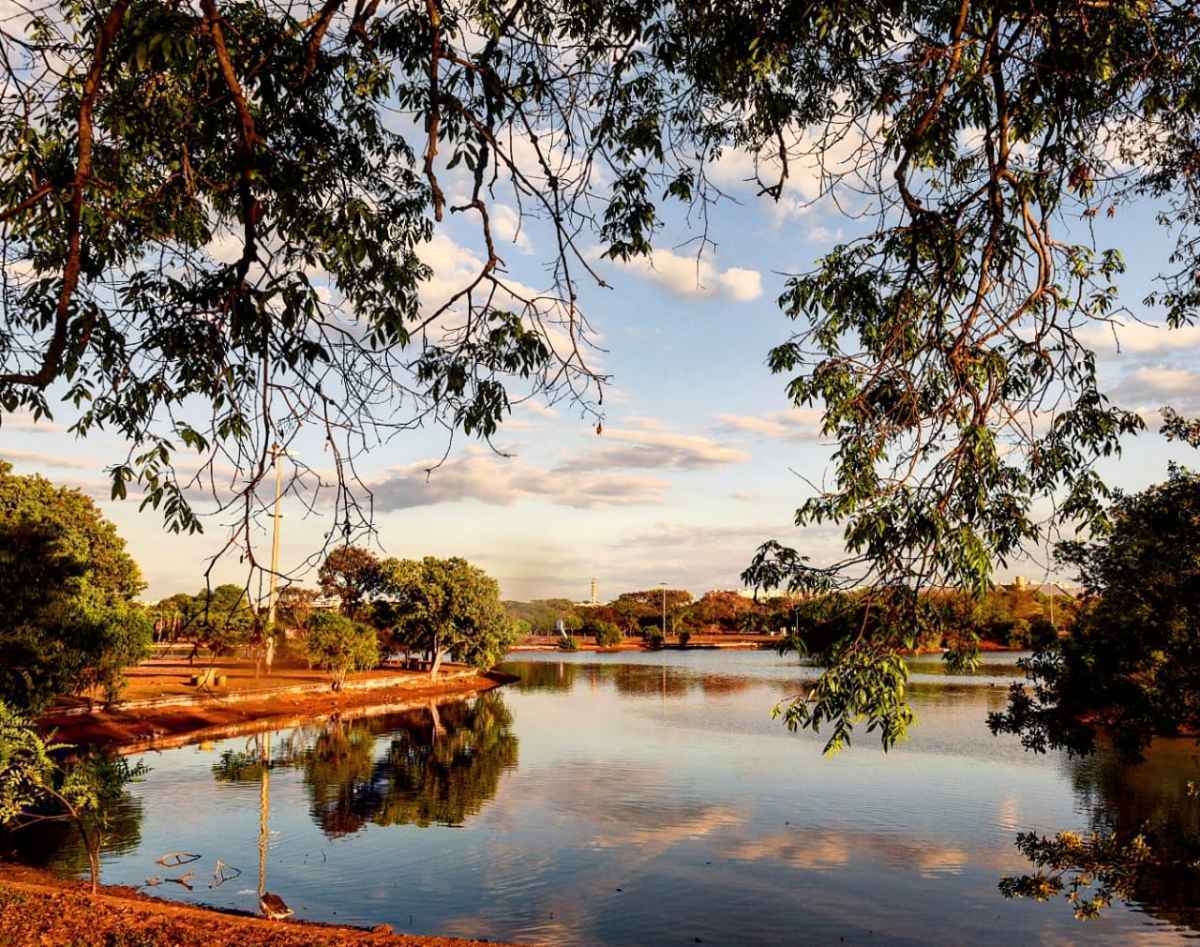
{"x": 701, "y": 457}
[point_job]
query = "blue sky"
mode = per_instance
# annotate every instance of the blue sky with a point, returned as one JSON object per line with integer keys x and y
{"x": 701, "y": 457}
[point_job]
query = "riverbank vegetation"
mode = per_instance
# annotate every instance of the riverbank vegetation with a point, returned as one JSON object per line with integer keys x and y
{"x": 1014, "y": 616}
{"x": 72, "y": 623}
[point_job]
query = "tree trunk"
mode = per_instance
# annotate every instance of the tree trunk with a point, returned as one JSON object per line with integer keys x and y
{"x": 92, "y": 845}
{"x": 94, "y": 864}
{"x": 438, "y": 654}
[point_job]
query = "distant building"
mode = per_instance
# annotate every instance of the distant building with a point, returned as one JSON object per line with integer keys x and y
{"x": 594, "y": 600}
{"x": 1055, "y": 589}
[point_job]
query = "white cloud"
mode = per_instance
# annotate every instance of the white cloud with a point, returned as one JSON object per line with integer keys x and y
{"x": 500, "y": 481}
{"x": 22, "y": 422}
{"x": 510, "y": 227}
{"x": 798, "y": 424}
{"x": 1151, "y": 387}
{"x": 814, "y": 168}
{"x": 651, "y": 448}
{"x": 456, "y": 267}
{"x": 687, "y": 276}
{"x": 538, "y": 408}
{"x": 1139, "y": 338}
{"x": 39, "y": 459}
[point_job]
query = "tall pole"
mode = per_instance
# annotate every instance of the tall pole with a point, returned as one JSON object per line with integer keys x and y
{"x": 276, "y": 451}
{"x": 664, "y": 609}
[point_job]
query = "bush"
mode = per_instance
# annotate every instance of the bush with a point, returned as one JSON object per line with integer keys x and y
{"x": 1042, "y": 632}
{"x": 654, "y": 640}
{"x": 684, "y": 637}
{"x": 1019, "y": 635}
{"x": 568, "y": 643}
{"x": 339, "y": 645}
{"x": 606, "y": 633}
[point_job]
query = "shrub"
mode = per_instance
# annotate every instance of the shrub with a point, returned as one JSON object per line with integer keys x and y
{"x": 339, "y": 645}
{"x": 684, "y": 637}
{"x": 568, "y": 643}
{"x": 1042, "y": 632}
{"x": 1019, "y": 635}
{"x": 655, "y": 640}
{"x": 607, "y": 634}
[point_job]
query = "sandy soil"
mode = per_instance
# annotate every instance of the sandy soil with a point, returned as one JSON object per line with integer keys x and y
{"x": 37, "y": 908}
{"x": 144, "y": 728}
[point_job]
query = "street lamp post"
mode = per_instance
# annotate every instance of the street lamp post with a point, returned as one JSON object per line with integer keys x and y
{"x": 664, "y": 609}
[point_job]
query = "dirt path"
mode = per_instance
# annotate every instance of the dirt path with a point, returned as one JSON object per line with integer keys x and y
{"x": 37, "y": 908}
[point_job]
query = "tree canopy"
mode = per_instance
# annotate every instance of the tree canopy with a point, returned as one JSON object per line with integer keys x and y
{"x": 446, "y": 606}
{"x": 1132, "y": 663}
{"x": 68, "y": 585}
{"x": 352, "y": 575}
{"x": 226, "y": 205}
{"x": 340, "y": 645}
{"x": 219, "y": 619}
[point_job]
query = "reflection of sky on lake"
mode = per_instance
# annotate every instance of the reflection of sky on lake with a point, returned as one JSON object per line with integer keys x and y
{"x": 653, "y": 800}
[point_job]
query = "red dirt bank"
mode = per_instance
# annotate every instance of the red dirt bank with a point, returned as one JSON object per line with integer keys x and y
{"x": 37, "y": 908}
{"x": 144, "y": 728}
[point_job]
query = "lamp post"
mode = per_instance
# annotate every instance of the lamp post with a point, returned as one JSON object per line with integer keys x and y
{"x": 269, "y": 644}
{"x": 664, "y": 609}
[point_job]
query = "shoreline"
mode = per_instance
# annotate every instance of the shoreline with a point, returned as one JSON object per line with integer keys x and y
{"x": 39, "y": 907}
{"x": 756, "y": 644}
{"x": 149, "y": 726}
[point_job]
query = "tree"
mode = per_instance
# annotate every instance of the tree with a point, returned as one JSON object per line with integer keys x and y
{"x": 728, "y": 611}
{"x": 221, "y": 621}
{"x": 71, "y": 624}
{"x": 294, "y": 606}
{"x": 606, "y": 633}
{"x": 37, "y": 786}
{"x": 946, "y": 343}
{"x": 447, "y": 606}
{"x": 1130, "y": 665}
{"x": 340, "y": 645}
{"x": 644, "y": 609}
{"x": 352, "y": 576}
{"x": 541, "y": 614}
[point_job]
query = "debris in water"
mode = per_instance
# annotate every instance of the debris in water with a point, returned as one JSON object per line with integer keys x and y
{"x": 175, "y": 859}
{"x": 153, "y": 881}
{"x": 185, "y": 879}
{"x": 223, "y": 873}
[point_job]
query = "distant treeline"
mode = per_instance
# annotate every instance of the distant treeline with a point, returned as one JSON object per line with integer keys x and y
{"x": 1010, "y": 615}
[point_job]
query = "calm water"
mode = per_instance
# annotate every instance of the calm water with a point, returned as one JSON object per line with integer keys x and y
{"x": 649, "y": 799}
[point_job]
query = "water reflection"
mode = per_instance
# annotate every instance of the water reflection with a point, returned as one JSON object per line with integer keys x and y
{"x": 1151, "y": 798}
{"x": 652, "y": 800}
{"x": 438, "y": 766}
{"x": 56, "y": 845}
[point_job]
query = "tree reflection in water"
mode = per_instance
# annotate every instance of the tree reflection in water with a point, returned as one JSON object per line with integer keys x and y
{"x": 56, "y": 845}
{"x": 1143, "y": 839}
{"x": 634, "y": 680}
{"x": 440, "y": 766}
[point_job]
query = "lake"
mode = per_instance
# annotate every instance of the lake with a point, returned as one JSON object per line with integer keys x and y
{"x": 648, "y": 798}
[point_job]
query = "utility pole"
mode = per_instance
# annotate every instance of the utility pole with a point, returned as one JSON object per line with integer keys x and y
{"x": 664, "y": 610}
{"x": 269, "y": 645}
